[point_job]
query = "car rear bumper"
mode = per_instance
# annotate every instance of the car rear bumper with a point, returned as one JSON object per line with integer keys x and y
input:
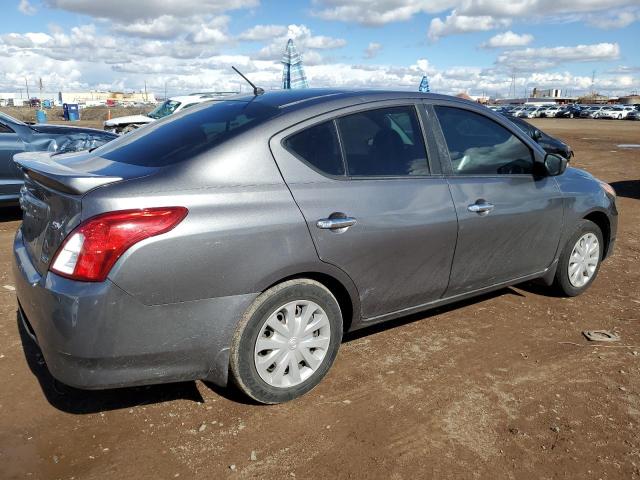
{"x": 95, "y": 335}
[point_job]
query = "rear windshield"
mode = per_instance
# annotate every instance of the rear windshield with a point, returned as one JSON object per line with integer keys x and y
{"x": 185, "y": 135}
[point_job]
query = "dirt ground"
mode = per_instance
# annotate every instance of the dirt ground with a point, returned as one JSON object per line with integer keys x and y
{"x": 89, "y": 117}
{"x": 502, "y": 386}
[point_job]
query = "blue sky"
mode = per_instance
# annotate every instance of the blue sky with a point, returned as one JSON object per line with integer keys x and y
{"x": 463, "y": 45}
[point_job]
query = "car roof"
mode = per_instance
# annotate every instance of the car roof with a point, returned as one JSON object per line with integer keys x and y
{"x": 196, "y": 98}
{"x": 290, "y": 99}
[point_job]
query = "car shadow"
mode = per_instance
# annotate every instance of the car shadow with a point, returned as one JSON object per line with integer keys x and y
{"x": 76, "y": 401}
{"x": 387, "y": 325}
{"x": 538, "y": 287}
{"x": 10, "y": 214}
{"x": 627, "y": 188}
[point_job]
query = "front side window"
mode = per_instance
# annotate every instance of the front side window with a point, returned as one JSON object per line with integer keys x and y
{"x": 318, "y": 146}
{"x": 383, "y": 142}
{"x": 479, "y": 146}
{"x": 5, "y": 129}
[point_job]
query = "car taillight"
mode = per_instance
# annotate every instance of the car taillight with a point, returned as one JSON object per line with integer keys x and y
{"x": 89, "y": 252}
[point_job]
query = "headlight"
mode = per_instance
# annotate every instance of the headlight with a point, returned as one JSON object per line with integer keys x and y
{"x": 608, "y": 188}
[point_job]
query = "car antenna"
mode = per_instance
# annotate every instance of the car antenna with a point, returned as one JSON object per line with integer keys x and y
{"x": 256, "y": 90}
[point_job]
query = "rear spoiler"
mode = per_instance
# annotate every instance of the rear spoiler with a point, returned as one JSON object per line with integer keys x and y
{"x": 39, "y": 166}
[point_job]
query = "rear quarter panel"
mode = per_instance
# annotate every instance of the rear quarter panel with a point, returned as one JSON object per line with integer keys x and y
{"x": 243, "y": 229}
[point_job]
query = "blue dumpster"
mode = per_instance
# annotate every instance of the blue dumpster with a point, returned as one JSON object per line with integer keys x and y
{"x": 41, "y": 116}
{"x": 70, "y": 111}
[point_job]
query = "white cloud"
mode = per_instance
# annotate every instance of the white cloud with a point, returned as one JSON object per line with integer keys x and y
{"x": 372, "y": 50}
{"x": 455, "y": 23}
{"x": 381, "y": 12}
{"x": 508, "y": 39}
{"x": 165, "y": 26}
{"x": 263, "y": 32}
{"x": 378, "y": 12}
{"x": 128, "y": 10}
{"x": 25, "y": 7}
{"x": 612, "y": 20}
{"x": 209, "y": 35}
{"x": 536, "y": 59}
{"x": 305, "y": 42}
{"x": 539, "y": 8}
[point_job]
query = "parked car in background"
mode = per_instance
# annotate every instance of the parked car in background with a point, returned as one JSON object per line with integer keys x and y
{"x": 242, "y": 239}
{"x": 608, "y": 111}
{"x": 627, "y": 109}
{"x": 521, "y": 112}
{"x": 17, "y": 136}
{"x": 569, "y": 111}
{"x": 551, "y": 111}
{"x": 515, "y": 111}
{"x": 617, "y": 112}
{"x": 633, "y": 115}
{"x": 531, "y": 112}
{"x": 546, "y": 141}
{"x": 591, "y": 112}
{"x": 173, "y": 105}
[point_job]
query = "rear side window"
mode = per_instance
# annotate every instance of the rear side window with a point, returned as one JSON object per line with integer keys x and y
{"x": 183, "y": 136}
{"x": 383, "y": 142}
{"x": 479, "y": 146}
{"x": 319, "y": 147}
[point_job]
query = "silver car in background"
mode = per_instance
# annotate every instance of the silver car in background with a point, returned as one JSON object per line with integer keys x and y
{"x": 240, "y": 240}
{"x": 17, "y": 136}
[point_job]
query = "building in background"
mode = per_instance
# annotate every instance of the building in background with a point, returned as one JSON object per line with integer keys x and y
{"x": 546, "y": 93}
{"x": 630, "y": 100}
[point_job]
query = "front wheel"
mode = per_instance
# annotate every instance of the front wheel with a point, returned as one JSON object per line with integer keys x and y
{"x": 580, "y": 260}
{"x": 286, "y": 341}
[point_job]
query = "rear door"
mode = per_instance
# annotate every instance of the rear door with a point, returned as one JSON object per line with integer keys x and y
{"x": 374, "y": 204}
{"x": 509, "y": 219}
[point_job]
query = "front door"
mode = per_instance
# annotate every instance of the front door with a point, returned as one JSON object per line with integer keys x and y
{"x": 509, "y": 220}
{"x": 363, "y": 184}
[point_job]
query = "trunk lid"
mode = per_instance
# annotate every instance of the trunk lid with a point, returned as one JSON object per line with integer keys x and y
{"x": 51, "y": 197}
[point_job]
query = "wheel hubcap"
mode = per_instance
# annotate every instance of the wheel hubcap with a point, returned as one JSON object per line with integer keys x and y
{"x": 584, "y": 260}
{"x": 292, "y": 343}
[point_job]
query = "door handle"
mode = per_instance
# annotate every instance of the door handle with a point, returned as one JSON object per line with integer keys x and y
{"x": 480, "y": 207}
{"x": 335, "y": 223}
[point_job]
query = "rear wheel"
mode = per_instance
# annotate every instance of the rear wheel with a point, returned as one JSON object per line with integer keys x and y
{"x": 580, "y": 260}
{"x": 286, "y": 341}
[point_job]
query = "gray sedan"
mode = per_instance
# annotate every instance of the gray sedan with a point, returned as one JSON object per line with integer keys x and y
{"x": 238, "y": 241}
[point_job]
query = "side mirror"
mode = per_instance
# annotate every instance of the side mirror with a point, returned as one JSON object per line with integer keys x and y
{"x": 554, "y": 164}
{"x": 536, "y": 135}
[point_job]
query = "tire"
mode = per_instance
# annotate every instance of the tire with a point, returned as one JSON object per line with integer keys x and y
{"x": 564, "y": 283}
{"x": 282, "y": 306}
